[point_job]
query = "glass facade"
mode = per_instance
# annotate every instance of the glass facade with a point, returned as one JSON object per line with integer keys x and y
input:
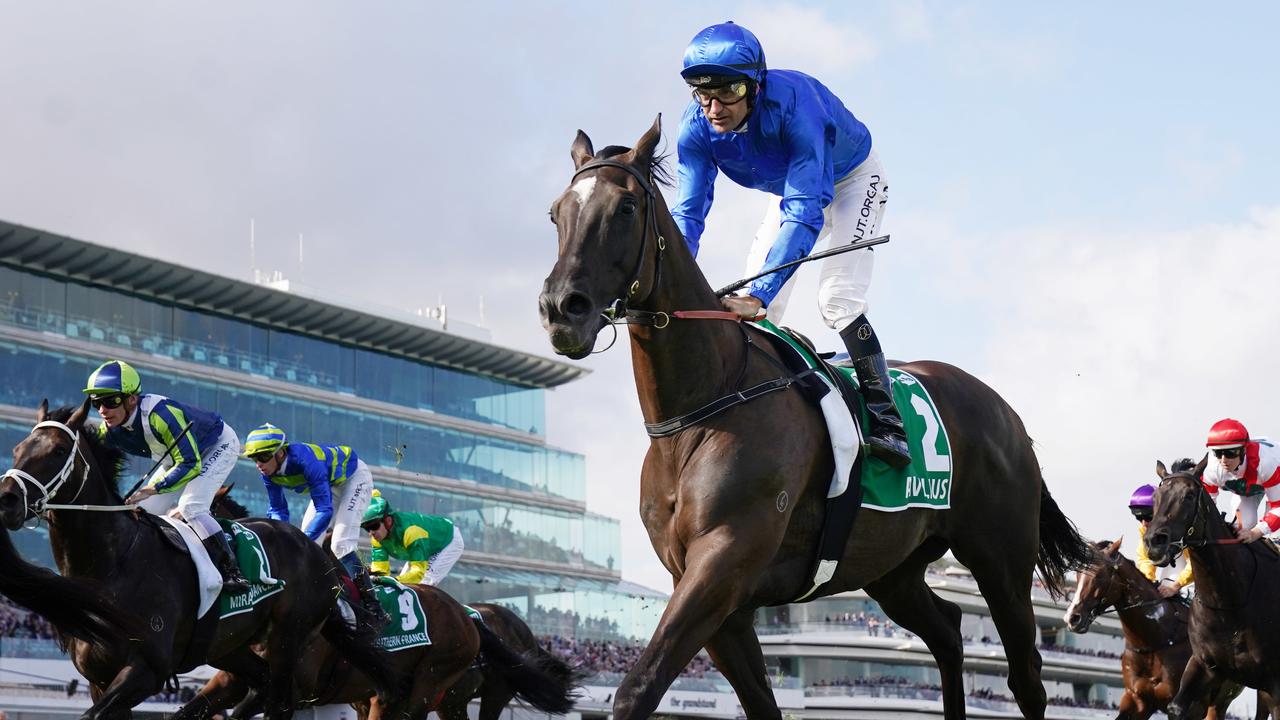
{"x": 113, "y": 318}
{"x": 32, "y": 374}
{"x": 522, "y": 527}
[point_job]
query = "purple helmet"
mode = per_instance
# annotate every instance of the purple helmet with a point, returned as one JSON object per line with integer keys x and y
{"x": 1144, "y": 496}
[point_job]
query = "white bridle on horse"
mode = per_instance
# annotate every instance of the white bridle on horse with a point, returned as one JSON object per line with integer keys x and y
{"x": 42, "y": 504}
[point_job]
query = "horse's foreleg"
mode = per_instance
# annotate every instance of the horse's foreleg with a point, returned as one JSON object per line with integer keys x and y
{"x": 1005, "y": 582}
{"x": 1190, "y": 700}
{"x": 908, "y": 601}
{"x": 135, "y": 682}
{"x": 735, "y": 649}
{"x": 706, "y": 595}
{"x": 223, "y": 690}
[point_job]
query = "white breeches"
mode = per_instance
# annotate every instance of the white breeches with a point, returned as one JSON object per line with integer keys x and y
{"x": 350, "y": 501}
{"x": 854, "y": 214}
{"x": 194, "y": 498}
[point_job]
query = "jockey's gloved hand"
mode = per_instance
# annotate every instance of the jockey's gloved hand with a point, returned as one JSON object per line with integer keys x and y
{"x": 747, "y": 307}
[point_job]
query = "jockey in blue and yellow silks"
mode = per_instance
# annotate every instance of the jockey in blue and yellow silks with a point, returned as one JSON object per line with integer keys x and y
{"x": 785, "y": 133}
{"x": 198, "y": 450}
{"x": 340, "y": 486}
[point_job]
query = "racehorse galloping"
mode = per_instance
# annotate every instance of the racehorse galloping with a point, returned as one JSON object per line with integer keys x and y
{"x": 1234, "y": 616}
{"x": 60, "y": 463}
{"x": 1156, "y": 646}
{"x": 433, "y": 670}
{"x": 74, "y": 607}
{"x": 734, "y": 505}
{"x": 488, "y": 684}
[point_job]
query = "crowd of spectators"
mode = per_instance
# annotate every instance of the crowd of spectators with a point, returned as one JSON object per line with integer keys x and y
{"x": 603, "y": 656}
{"x": 16, "y": 622}
{"x": 562, "y": 623}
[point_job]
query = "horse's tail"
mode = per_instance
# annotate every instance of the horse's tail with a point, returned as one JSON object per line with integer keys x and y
{"x": 75, "y": 607}
{"x": 357, "y": 643}
{"x": 539, "y": 678}
{"x": 1061, "y": 547}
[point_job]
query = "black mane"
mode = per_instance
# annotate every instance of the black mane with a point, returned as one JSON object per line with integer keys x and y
{"x": 109, "y": 460}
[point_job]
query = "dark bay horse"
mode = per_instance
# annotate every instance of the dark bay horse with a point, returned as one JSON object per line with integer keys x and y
{"x": 734, "y": 504}
{"x": 61, "y": 463}
{"x": 324, "y": 678}
{"x": 1235, "y": 618}
{"x": 1156, "y": 644}
{"x": 76, "y": 608}
{"x": 486, "y": 683}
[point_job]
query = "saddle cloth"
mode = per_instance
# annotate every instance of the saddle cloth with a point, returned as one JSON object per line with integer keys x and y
{"x": 408, "y": 626}
{"x": 926, "y": 482}
{"x": 208, "y": 579}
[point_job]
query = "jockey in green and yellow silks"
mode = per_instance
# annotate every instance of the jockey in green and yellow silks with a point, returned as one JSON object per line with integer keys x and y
{"x": 429, "y": 544}
{"x": 340, "y": 485}
{"x": 196, "y": 450}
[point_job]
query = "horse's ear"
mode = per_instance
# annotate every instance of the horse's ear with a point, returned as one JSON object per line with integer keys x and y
{"x": 648, "y": 143}
{"x": 42, "y": 412}
{"x": 1115, "y": 546}
{"x": 581, "y": 151}
{"x": 76, "y": 421}
{"x": 1161, "y": 470}
{"x": 1198, "y": 470}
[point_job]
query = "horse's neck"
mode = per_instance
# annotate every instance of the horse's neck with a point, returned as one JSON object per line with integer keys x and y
{"x": 88, "y": 542}
{"x": 689, "y": 362}
{"x": 1143, "y": 612}
{"x": 1223, "y": 573}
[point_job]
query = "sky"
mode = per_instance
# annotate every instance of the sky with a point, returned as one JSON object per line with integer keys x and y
{"x": 1084, "y": 205}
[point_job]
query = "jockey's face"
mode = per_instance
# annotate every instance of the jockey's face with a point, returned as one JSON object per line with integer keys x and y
{"x": 1231, "y": 458}
{"x": 117, "y": 415}
{"x": 380, "y": 531}
{"x": 271, "y": 465}
{"x": 723, "y": 118}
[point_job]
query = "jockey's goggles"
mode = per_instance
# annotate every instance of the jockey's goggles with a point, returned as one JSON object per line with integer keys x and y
{"x": 730, "y": 94}
{"x": 1141, "y": 513}
{"x": 111, "y": 402}
{"x": 372, "y": 525}
{"x": 263, "y": 457}
{"x": 1234, "y": 452}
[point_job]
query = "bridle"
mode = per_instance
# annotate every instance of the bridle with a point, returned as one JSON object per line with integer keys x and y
{"x": 1188, "y": 539}
{"x": 617, "y": 310}
{"x": 41, "y": 505}
{"x": 1101, "y": 609}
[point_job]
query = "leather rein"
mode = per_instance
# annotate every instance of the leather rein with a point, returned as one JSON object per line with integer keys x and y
{"x": 618, "y": 313}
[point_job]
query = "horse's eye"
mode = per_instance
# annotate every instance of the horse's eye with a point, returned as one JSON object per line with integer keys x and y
{"x": 628, "y": 207}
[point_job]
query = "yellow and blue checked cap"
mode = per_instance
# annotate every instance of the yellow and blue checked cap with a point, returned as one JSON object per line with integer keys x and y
{"x": 264, "y": 438}
{"x": 112, "y": 378}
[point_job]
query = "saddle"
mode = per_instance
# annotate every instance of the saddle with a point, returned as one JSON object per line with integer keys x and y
{"x": 841, "y": 510}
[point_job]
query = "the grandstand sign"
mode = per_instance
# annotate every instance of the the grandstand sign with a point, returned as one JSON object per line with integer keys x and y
{"x": 690, "y": 703}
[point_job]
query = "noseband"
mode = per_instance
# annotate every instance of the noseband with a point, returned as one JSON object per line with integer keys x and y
{"x": 618, "y": 308}
{"x": 41, "y": 505}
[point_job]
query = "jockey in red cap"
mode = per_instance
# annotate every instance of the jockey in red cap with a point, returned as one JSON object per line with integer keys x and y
{"x": 1249, "y": 468}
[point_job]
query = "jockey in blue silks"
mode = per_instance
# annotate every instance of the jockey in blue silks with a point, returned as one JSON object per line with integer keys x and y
{"x": 785, "y": 133}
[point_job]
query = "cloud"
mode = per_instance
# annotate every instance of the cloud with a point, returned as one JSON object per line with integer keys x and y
{"x": 911, "y": 20}
{"x": 1118, "y": 348}
{"x": 806, "y": 38}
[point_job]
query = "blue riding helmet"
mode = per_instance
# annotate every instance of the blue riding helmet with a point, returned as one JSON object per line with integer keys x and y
{"x": 723, "y": 50}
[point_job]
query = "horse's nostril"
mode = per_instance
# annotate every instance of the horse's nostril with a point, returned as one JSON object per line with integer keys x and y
{"x": 575, "y": 305}
{"x": 1074, "y": 619}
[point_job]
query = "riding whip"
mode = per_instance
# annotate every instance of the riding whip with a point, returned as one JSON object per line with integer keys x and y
{"x": 167, "y": 450}
{"x": 816, "y": 256}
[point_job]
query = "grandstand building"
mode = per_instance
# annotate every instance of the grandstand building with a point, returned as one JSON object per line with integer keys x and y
{"x": 450, "y": 423}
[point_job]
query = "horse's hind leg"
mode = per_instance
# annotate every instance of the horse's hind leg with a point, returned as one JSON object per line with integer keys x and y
{"x": 1006, "y": 586}
{"x": 735, "y": 650}
{"x": 908, "y": 601}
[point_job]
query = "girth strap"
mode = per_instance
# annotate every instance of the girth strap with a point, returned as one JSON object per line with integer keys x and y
{"x": 715, "y": 407}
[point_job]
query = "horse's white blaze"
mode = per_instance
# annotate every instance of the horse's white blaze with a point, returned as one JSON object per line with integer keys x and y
{"x": 1075, "y": 601}
{"x": 583, "y": 189}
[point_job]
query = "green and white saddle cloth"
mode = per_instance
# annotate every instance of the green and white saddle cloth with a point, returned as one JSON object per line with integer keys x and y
{"x": 256, "y": 567}
{"x": 408, "y": 626}
{"x": 926, "y": 482}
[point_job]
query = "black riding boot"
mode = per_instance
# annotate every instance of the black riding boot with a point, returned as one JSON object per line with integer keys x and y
{"x": 886, "y": 437}
{"x": 233, "y": 581}
{"x": 372, "y": 608}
